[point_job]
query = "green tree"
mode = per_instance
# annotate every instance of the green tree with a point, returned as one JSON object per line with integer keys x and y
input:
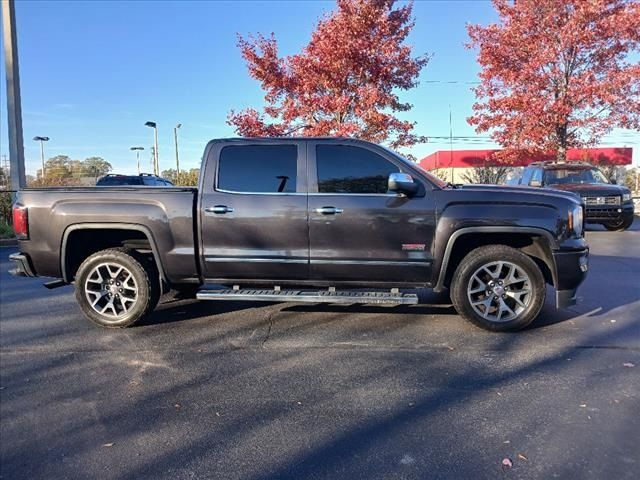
{"x": 96, "y": 167}
{"x": 57, "y": 168}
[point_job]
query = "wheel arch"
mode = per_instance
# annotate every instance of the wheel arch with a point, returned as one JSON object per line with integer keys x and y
{"x": 537, "y": 243}
{"x": 73, "y": 252}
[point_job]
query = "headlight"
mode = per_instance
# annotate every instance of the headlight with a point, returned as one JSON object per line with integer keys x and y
{"x": 576, "y": 220}
{"x": 626, "y": 197}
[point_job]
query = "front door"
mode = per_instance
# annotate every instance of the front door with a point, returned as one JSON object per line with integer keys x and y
{"x": 358, "y": 231}
{"x": 253, "y": 212}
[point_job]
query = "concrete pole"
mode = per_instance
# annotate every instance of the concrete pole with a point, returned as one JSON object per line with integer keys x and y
{"x": 42, "y": 156}
{"x": 157, "y": 160}
{"x": 175, "y": 136}
{"x": 14, "y": 109}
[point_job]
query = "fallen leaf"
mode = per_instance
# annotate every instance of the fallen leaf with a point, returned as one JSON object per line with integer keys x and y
{"x": 299, "y": 403}
{"x": 613, "y": 321}
{"x": 499, "y": 394}
{"x": 522, "y": 457}
{"x": 506, "y": 462}
{"x": 217, "y": 414}
{"x": 108, "y": 444}
{"x": 628, "y": 365}
{"x": 583, "y": 405}
{"x": 177, "y": 405}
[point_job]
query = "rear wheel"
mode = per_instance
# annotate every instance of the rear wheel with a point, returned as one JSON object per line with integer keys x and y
{"x": 117, "y": 287}
{"x": 620, "y": 225}
{"x": 498, "y": 288}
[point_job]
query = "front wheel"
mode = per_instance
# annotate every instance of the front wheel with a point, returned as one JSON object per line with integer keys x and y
{"x": 619, "y": 225}
{"x": 116, "y": 287}
{"x": 498, "y": 288}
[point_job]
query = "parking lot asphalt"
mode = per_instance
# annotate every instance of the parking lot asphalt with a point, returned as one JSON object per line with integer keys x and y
{"x": 282, "y": 391}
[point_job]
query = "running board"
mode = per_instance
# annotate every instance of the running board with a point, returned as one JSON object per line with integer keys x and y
{"x": 309, "y": 296}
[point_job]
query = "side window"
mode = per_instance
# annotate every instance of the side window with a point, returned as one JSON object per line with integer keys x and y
{"x": 537, "y": 176}
{"x": 150, "y": 181}
{"x": 526, "y": 176}
{"x": 258, "y": 168}
{"x": 349, "y": 169}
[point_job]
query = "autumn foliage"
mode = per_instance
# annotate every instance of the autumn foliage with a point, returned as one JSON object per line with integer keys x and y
{"x": 343, "y": 83}
{"x": 557, "y": 74}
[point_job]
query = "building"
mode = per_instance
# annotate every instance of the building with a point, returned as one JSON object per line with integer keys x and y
{"x": 455, "y": 165}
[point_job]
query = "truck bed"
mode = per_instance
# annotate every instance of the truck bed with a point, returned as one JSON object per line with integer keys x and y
{"x": 164, "y": 215}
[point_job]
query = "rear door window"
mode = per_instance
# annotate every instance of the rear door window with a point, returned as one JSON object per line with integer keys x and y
{"x": 348, "y": 169}
{"x": 526, "y": 176}
{"x": 537, "y": 176}
{"x": 258, "y": 168}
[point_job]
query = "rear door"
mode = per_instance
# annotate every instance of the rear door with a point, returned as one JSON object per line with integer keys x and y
{"x": 253, "y": 211}
{"x": 357, "y": 230}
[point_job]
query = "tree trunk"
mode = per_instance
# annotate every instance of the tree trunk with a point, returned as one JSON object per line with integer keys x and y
{"x": 561, "y": 138}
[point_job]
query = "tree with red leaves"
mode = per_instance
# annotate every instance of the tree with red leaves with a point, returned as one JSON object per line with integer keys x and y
{"x": 343, "y": 83}
{"x": 557, "y": 74}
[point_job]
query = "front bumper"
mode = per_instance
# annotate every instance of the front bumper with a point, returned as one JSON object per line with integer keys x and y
{"x": 571, "y": 270}
{"x": 22, "y": 265}
{"x": 608, "y": 214}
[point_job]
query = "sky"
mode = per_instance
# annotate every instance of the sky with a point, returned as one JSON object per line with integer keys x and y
{"x": 92, "y": 73}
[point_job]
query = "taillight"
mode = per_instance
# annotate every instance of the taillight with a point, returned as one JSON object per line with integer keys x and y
{"x": 21, "y": 222}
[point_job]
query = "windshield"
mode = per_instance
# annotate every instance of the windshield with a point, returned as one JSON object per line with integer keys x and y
{"x": 582, "y": 175}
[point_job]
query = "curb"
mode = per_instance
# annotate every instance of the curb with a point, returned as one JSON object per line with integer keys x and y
{"x": 8, "y": 242}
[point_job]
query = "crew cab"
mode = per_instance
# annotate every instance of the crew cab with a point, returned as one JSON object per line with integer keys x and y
{"x": 311, "y": 220}
{"x": 606, "y": 203}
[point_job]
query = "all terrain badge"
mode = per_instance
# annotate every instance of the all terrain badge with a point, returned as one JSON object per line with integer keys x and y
{"x": 413, "y": 247}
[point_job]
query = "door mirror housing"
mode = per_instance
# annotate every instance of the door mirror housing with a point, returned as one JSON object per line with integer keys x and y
{"x": 402, "y": 183}
{"x": 613, "y": 180}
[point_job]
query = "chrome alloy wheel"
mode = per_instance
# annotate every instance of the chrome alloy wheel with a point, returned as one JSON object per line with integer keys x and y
{"x": 111, "y": 290}
{"x": 499, "y": 291}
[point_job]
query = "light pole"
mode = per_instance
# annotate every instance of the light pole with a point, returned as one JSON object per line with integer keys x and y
{"x": 137, "y": 150}
{"x": 14, "y": 109}
{"x": 156, "y": 166}
{"x": 41, "y": 140}
{"x": 175, "y": 136}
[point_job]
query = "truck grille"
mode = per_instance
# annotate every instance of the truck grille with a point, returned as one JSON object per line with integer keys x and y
{"x": 600, "y": 213}
{"x": 597, "y": 201}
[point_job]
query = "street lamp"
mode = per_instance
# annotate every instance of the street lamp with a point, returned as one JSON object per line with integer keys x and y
{"x": 156, "y": 166}
{"x": 41, "y": 140}
{"x": 175, "y": 136}
{"x": 137, "y": 150}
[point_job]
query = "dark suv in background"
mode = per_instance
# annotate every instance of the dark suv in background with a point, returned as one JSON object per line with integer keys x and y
{"x": 606, "y": 203}
{"x": 144, "y": 179}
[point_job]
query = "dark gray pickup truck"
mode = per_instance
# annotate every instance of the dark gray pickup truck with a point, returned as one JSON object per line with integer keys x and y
{"x": 310, "y": 220}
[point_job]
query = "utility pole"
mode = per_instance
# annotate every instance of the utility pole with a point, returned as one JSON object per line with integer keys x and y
{"x": 5, "y": 173}
{"x": 137, "y": 150}
{"x": 153, "y": 158}
{"x": 451, "y": 143}
{"x": 14, "y": 108}
{"x": 175, "y": 136}
{"x": 156, "y": 163}
{"x": 41, "y": 140}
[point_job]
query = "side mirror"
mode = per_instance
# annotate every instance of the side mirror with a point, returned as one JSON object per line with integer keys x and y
{"x": 535, "y": 183}
{"x": 402, "y": 183}
{"x": 613, "y": 180}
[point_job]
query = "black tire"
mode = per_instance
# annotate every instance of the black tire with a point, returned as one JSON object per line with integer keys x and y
{"x": 144, "y": 280}
{"x": 529, "y": 304}
{"x": 619, "y": 226}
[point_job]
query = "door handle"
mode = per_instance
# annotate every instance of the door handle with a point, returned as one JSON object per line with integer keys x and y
{"x": 329, "y": 210}
{"x": 218, "y": 209}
